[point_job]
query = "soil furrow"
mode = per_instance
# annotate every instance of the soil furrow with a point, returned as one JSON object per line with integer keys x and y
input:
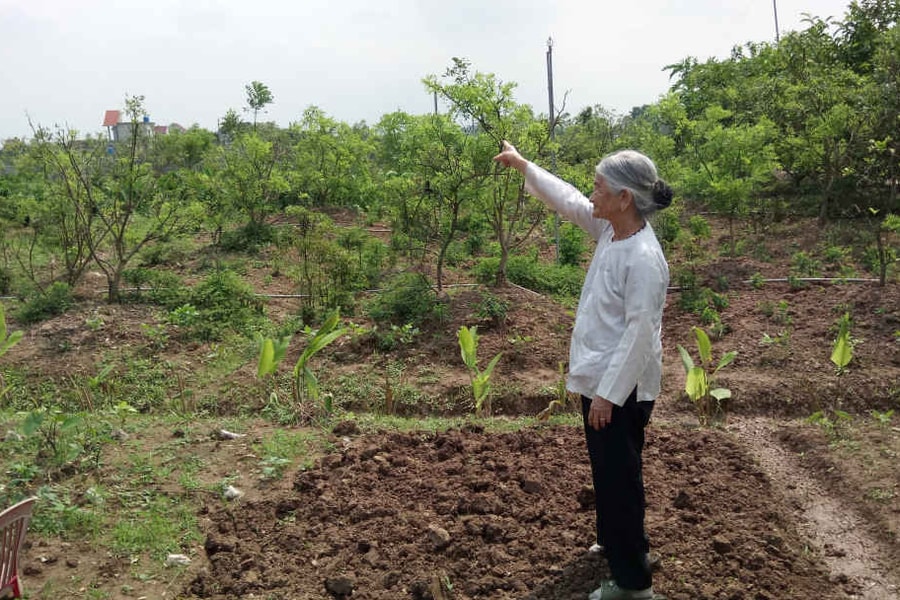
{"x": 835, "y": 529}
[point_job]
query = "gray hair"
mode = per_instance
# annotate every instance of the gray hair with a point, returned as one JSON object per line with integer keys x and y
{"x": 630, "y": 170}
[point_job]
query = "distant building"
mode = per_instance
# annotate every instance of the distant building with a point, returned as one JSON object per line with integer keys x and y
{"x": 119, "y": 130}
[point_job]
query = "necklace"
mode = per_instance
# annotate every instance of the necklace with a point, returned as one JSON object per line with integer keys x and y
{"x": 632, "y": 234}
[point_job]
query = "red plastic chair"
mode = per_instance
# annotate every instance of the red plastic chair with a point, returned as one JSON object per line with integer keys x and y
{"x": 13, "y": 525}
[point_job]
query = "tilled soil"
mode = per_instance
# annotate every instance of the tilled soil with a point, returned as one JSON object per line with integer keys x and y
{"x": 468, "y": 514}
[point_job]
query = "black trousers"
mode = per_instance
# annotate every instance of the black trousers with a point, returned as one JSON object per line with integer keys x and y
{"x": 616, "y": 466}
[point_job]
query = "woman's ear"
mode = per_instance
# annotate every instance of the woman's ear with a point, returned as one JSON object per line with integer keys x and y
{"x": 626, "y": 198}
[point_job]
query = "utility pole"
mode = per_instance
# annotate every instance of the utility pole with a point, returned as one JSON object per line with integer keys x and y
{"x": 435, "y": 103}
{"x": 775, "y": 8}
{"x": 552, "y": 124}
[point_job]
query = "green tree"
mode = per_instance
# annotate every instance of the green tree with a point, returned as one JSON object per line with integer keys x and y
{"x": 258, "y": 97}
{"x": 253, "y": 177}
{"x": 485, "y": 107}
{"x": 111, "y": 193}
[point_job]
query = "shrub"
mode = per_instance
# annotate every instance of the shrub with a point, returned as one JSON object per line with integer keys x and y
{"x": 222, "y": 301}
{"x": 572, "y": 244}
{"x": 247, "y": 238}
{"x": 558, "y": 280}
{"x": 5, "y": 281}
{"x": 699, "y": 227}
{"x": 159, "y": 287}
{"x": 492, "y": 308}
{"x": 805, "y": 265}
{"x": 55, "y": 300}
{"x": 667, "y": 226}
{"x": 407, "y": 298}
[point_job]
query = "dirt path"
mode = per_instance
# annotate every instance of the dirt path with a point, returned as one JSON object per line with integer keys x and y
{"x": 834, "y": 528}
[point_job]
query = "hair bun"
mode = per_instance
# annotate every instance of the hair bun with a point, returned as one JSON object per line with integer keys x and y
{"x": 662, "y": 194}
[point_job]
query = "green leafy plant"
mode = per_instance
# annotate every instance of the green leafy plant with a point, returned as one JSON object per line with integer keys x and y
{"x": 842, "y": 351}
{"x": 561, "y": 399}
{"x": 271, "y": 353}
{"x": 7, "y": 341}
{"x": 304, "y": 383}
{"x": 481, "y": 387}
{"x": 700, "y": 382}
{"x": 882, "y": 418}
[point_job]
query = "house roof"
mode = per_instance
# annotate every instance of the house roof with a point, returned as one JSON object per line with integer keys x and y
{"x": 160, "y": 129}
{"x": 111, "y": 118}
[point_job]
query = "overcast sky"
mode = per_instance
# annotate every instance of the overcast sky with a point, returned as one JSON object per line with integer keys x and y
{"x": 67, "y": 61}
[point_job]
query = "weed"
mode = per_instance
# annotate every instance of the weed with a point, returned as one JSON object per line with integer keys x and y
{"x": 882, "y": 418}
{"x": 493, "y": 309}
{"x": 55, "y": 300}
{"x": 757, "y": 281}
{"x": 561, "y": 399}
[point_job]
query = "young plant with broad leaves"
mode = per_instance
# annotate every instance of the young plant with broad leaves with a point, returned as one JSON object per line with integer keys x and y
{"x": 481, "y": 386}
{"x": 700, "y": 381}
{"x": 6, "y": 342}
{"x": 305, "y": 384}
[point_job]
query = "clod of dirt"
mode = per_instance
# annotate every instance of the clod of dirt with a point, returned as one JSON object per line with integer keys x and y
{"x": 214, "y": 546}
{"x": 530, "y": 486}
{"x": 346, "y": 428}
{"x": 721, "y": 545}
{"x": 339, "y": 587}
{"x": 439, "y": 537}
{"x": 586, "y": 497}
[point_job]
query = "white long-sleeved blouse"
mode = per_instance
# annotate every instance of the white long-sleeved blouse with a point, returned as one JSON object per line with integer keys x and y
{"x": 616, "y": 344}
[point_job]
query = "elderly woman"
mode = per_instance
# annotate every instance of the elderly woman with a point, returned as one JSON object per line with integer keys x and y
{"x": 615, "y": 356}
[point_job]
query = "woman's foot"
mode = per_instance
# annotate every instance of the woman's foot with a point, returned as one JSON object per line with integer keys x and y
{"x": 608, "y": 590}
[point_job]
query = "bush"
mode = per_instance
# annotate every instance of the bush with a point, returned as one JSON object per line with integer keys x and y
{"x": 667, "y": 226}
{"x": 699, "y": 227}
{"x": 5, "y": 281}
{"x": 572, "y": 245}
{"x": 222, "y": 302}
{"x": 558, "y": 280}
{"x": 55, "y": 300}
{"x": 247, "y": 238}
{"x": 408, "y": 298}
{"x": 159, "y": 287}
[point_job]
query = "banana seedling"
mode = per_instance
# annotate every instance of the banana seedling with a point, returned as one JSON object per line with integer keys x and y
{"x": 481, "y": 387}
{"x": 700, "y": 381}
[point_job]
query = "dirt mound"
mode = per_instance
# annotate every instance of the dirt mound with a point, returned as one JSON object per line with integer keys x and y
{"x": 468, "y": 514}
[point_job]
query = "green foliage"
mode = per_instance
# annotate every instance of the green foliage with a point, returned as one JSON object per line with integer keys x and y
{"x": 55, "y": 300}
{"x": 7, "y": 341}
{"x": 562, "y": 281}
{"x": 667, "y": 225}
{"x": 561, "y": 399}
{"x": 223, "y": 302}
{"x": 248, "y": 237}
{"x": 406, "y": 298}
{"x": 391, "y": 337}
{"x": 271, "y": 353}
{"x": 493, "y": 309}
{"x": 572, "y": 244}
{"x": 882, "y": 418}
{"x": 5, "y": 281}
{"x": 842, "y": 350}
{"x": 481, "y": 386}
{"x": 305, "y": 384}
{"x": 156, "y": 286}
{"x": 699, "y": 227}
{"x": 700, "y": 381}
{"x": 805, "y": 265}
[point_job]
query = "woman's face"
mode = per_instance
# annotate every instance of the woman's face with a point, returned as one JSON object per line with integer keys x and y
{"x": 606, "y": 203}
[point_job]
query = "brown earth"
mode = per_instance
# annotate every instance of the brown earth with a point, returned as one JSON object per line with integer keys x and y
{"x": 743, "y": 510}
